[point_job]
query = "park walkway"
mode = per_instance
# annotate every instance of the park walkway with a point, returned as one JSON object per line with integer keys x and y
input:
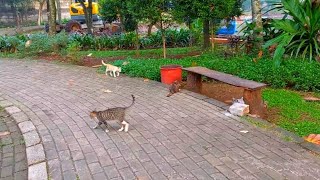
{"x": 181, "y": 137}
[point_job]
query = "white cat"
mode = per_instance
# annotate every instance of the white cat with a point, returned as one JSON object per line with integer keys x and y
{"x": 113, "y": 69}
{"x": 241, "y": 101}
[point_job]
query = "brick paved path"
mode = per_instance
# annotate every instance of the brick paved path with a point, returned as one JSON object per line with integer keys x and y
{"x": 13, "y": 161}
{"x": 180, "y": 137}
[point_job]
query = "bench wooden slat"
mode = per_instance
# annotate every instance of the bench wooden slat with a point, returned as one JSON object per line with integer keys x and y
{"x": 227, "y": 78}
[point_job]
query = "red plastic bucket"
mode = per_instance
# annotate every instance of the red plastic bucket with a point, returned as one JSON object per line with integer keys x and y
{"x": 170, "y": 73}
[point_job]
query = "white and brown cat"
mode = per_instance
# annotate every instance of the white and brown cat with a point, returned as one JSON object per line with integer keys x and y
{"x": 112, "y": 69}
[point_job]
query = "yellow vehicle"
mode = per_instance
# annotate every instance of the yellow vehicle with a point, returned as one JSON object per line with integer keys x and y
{"x": 77, "y": 12}
{"x": 78, "y": 20}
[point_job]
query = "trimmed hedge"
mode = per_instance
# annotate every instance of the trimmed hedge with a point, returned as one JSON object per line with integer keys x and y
{"x": 294, "y": 73}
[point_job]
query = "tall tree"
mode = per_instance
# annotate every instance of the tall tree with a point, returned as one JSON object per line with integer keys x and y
{"x": 257, "y": 18}
{"x": 52, "y": 17}
{"x": 156, "y": 11}
{"x": 207, "y": 10}
{"x": 58, "y": 10}
{"x": 41, "y": 4}
{"x": 88, "y": 14}
{"x": 18, "y": 7}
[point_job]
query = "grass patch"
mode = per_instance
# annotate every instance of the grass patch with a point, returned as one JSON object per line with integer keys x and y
{"x": 295, "y": 114}
{"x": 294, "y": 73}
{"x": 132, "y": 53}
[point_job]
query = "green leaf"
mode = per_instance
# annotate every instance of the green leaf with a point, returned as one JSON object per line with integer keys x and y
{"x": 286, "y": 25}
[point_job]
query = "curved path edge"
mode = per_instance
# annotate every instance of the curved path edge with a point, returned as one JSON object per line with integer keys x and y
{"x": 37, "y": 165}
{"x": 282, "y": 133}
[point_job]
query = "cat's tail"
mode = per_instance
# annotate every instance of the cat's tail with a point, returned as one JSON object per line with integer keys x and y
{"x": 103, "y": 63}
{"x": 133, "y": 100}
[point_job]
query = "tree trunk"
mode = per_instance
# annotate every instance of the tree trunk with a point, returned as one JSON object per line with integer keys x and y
{"x": 15, "y": 15}
{"x": 88, "y": 15}
{"x": 163, "y": 36}
{"x": 206, "y": 33}
{"x": 137, "y": 43}
{"x": 52, "y": 17}
{"x": 257, "y": 18}
{"x": 150, "y": 28}
{"x": 40, "y": 12}
{"x": 59, "y": 10}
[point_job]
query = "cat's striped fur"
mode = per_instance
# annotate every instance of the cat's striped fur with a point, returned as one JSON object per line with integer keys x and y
{"x": 117, "y": 113}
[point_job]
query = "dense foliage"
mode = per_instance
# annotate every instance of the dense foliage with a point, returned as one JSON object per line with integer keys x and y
{"x": 296, "y": 74}
{"x": 300, "y": 34}
{"x": 42, "y": 43}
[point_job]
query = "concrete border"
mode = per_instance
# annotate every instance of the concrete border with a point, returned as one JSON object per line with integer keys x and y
{"x": 271, "y": 127}
{"x": 37, "y": 166}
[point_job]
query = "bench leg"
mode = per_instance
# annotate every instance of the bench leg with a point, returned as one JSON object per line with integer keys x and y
{"x": 254, "y": 99}
{"x": 194, "y": 82}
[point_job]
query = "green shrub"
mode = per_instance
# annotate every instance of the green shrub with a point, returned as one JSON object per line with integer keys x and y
{"x": 10, "y": 44}
{"x": 301, "y": 33}
{"x": 174, "y": 38}
{"x": 296, "y": 74}
{"x": 42, "y": 43}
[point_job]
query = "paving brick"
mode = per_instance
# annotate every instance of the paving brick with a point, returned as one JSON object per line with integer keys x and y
{"x": 189, "y": 164}
{"x": 12, "y": 110}
{"x": 212, "y": 160}
{"x": 142, "y": 156}
{"x": 181, "y": 137}
{"x": 227, "y": 171}
{"x": 20, "y": 117}
{"x": 150, "y": 167}
{"x": 95, "y": 168}
{"x": 38, "y": 172}
{"x": 6, "y": 171}
{"x": 5, "y": 103}
{"x": 99, "y": 176}
{"x": 200, "y": 174}
{"x": 126, "y": 173}
{"x": 111, "y": 172}
{"x": 120, "y": 163}
{"x": 35, "y": 154}
{"x": 135, "y": 165}
{"x": 26, "y": 126}
{"x": 114, "y": 153}
{"x": 207, "y": 167}
{"x": 69, "y": 175}
{"x": 31, "y": 138}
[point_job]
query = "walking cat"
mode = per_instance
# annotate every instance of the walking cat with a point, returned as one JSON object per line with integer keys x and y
{"x": 174, "y": 88}
{"x": 117, "y": 113}
{"x": 113, "y": 69}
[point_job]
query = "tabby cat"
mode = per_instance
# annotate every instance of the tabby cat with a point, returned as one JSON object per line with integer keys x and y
{"x": 117, "y": 113}
{"x": 174, "y": 88}
{"x": 113, "y": 69}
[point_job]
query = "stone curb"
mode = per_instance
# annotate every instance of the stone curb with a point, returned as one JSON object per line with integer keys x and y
{"x": 37, "y": 166}
{"x": 284, "y": 133}
{"x": 293, "y": 137}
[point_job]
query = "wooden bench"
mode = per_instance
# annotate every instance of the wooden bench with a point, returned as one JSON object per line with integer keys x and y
{"x": 252, "y": 89}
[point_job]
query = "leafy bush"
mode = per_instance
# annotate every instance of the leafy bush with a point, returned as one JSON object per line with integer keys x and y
{"x": 174, "y": 38}
{"x": 296, "y": 74}
{"x": 301, "y": 33}
{"x": 10, "y": 43}
{"x": 42, "y": 43}
{"x": 269, "y": 31}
